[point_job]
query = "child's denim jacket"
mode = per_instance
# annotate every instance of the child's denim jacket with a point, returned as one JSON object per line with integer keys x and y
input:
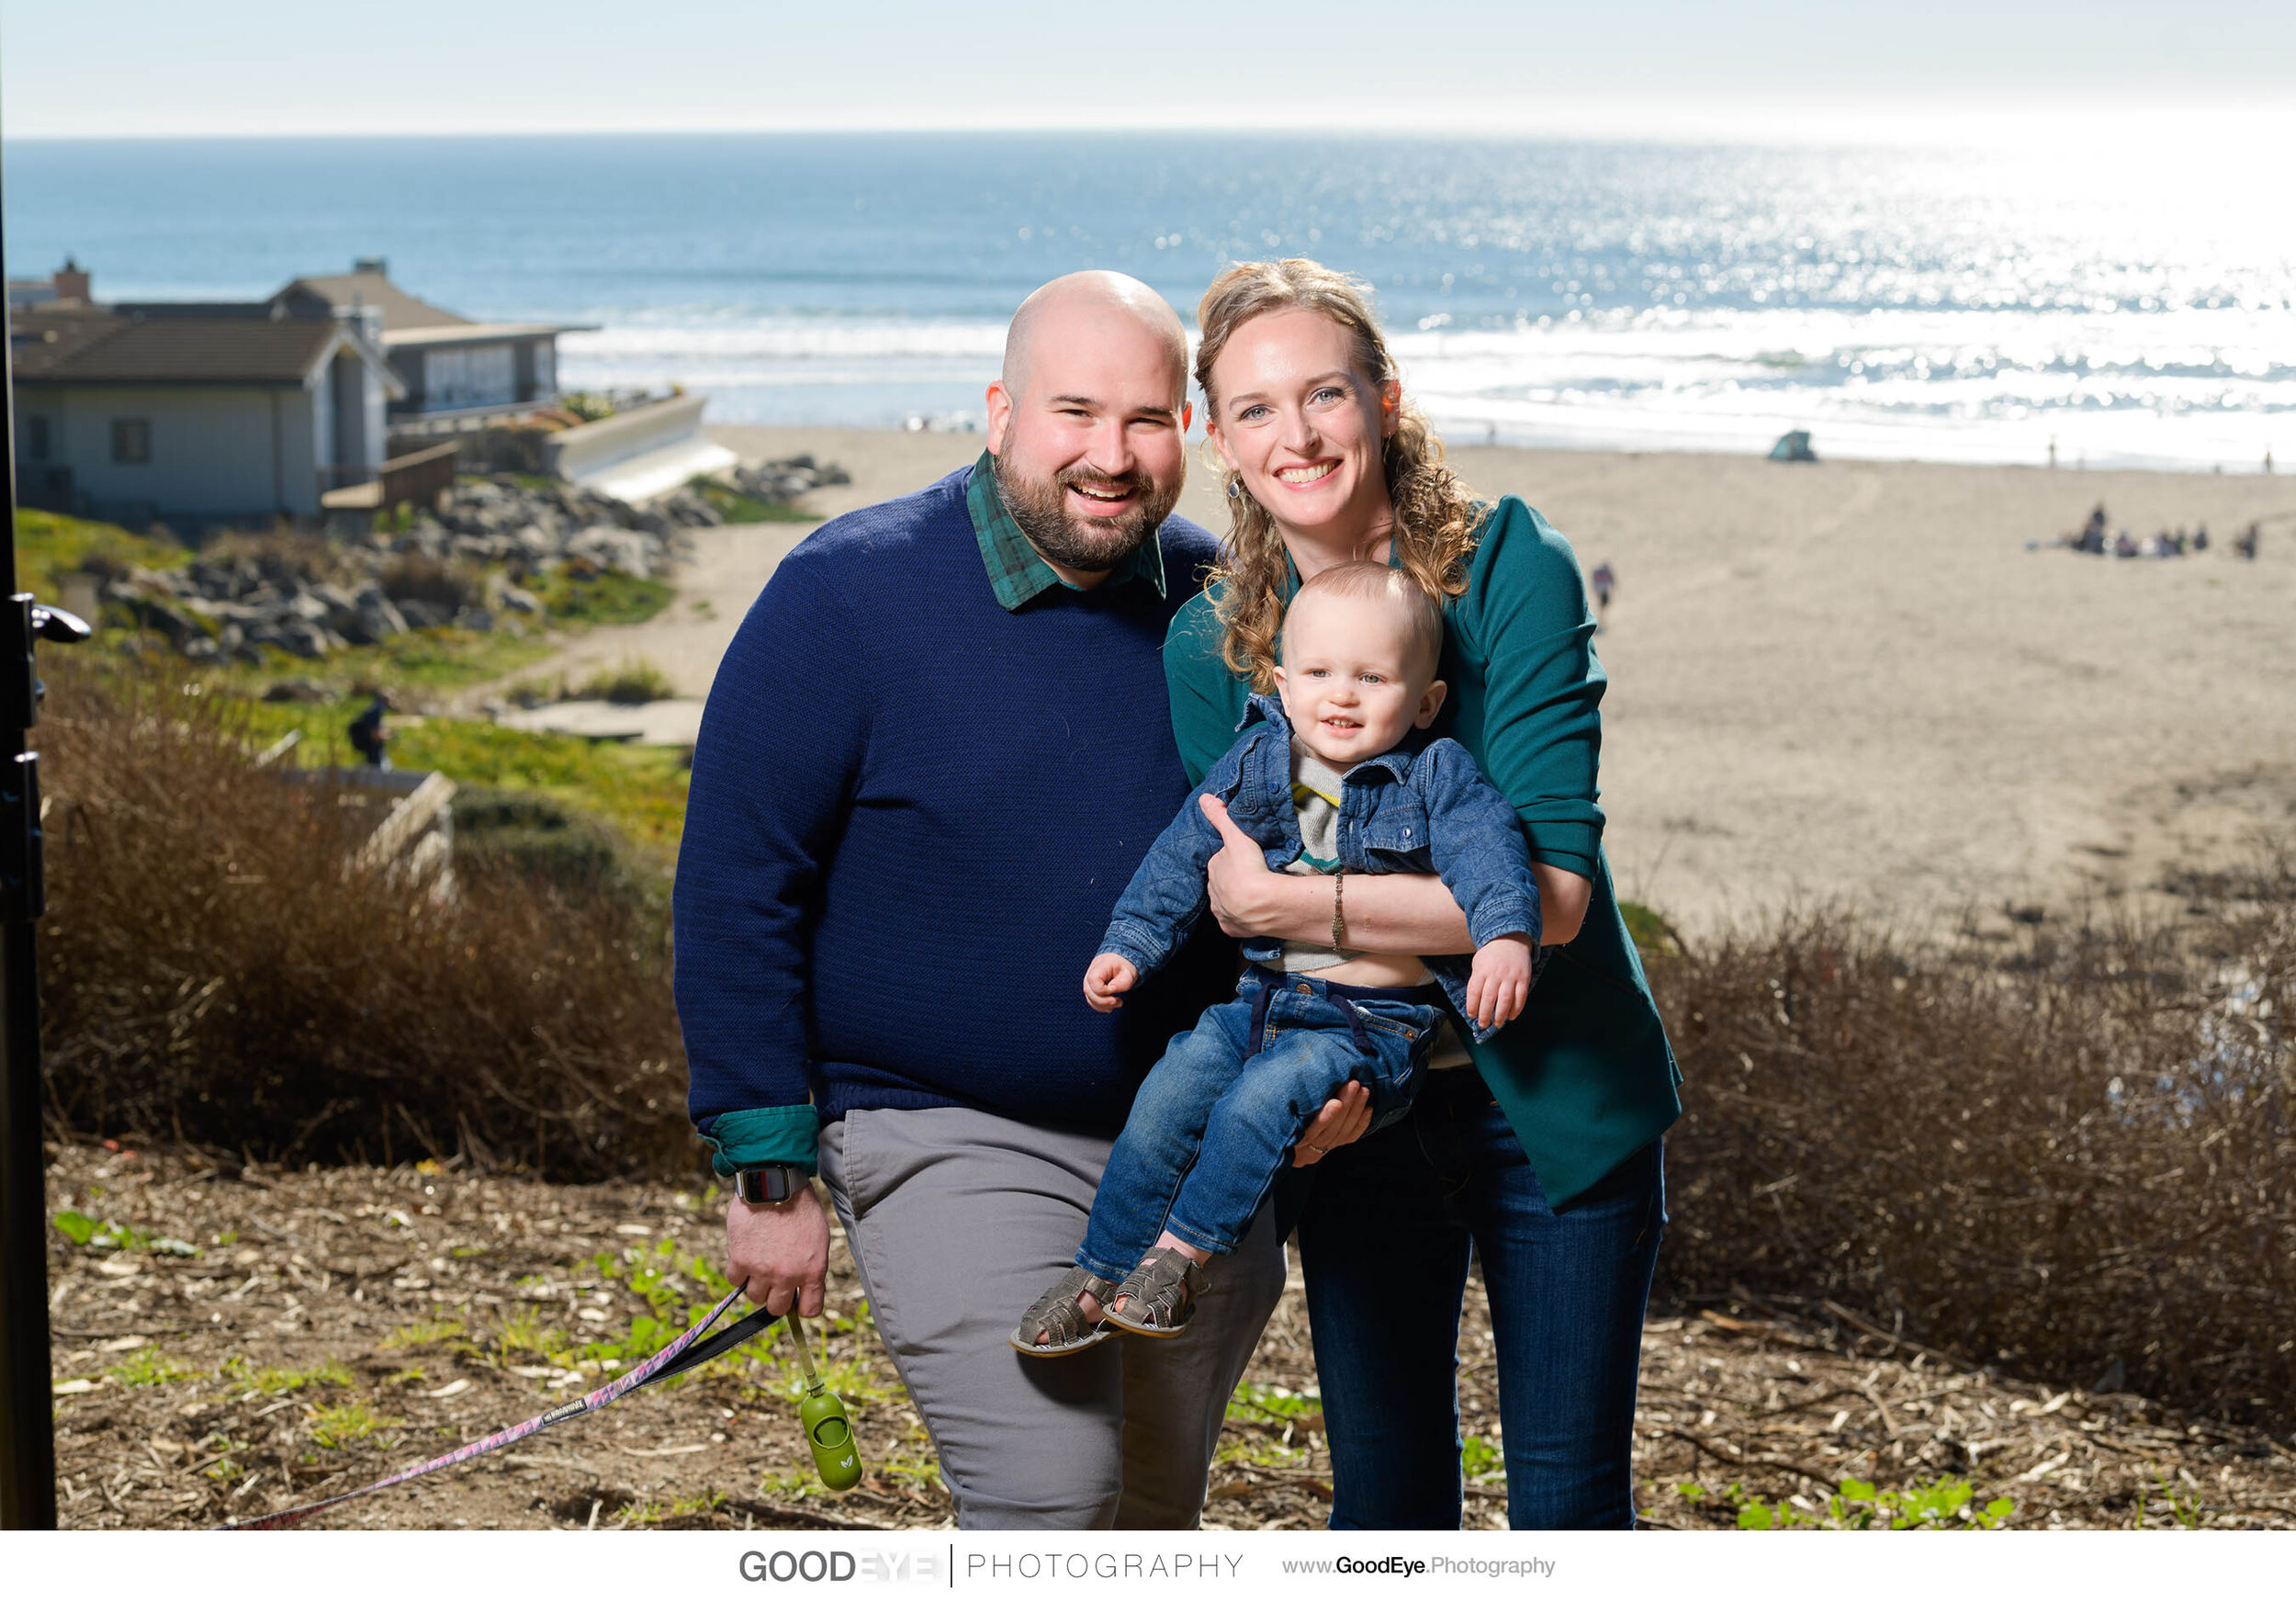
{"x": 1405, "y": 812}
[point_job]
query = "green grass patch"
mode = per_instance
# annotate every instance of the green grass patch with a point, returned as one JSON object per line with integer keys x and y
{"x": 677, "y": 1291}
{"x": 524, "y": 1334}
{"x": 282, "y": 1381}
{"x": 640, "y": 791}
{"x": 423, "y": 1332}
{"x": 632, "y": 682}
{"x": 1260, "y": 1403}
{"x": 1647, "y": 928}
{"x": 422, "y": 659}
{"x": 1941, "y": 1504}
{"x": 49, "y": 546}
{"x": 82, "y": 1231}
{"x": 736, "y": 507}
{"x": 600, "y": 597}
{"x": 346, "y": 1422}
{"x": 150, "y": 1366}
{"x": 586, "y": 405}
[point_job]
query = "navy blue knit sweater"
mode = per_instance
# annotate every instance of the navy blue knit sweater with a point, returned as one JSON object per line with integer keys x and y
{"x": 911, "y": 814}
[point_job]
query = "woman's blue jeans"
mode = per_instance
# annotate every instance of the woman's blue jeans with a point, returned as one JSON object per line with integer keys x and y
{"x": 1384, "y": 1240}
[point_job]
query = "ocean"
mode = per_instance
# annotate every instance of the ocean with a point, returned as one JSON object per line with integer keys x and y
{"x": 2131, "y": 307}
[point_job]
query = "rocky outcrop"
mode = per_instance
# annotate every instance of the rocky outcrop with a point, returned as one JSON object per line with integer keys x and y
{"x": 473, "y": 564}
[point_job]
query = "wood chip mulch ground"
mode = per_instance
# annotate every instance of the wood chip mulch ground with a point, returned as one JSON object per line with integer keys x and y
{"x": 247, "y": 1339}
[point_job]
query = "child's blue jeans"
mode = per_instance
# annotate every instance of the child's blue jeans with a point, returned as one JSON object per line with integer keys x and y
{"x": 1215, "y": 1119}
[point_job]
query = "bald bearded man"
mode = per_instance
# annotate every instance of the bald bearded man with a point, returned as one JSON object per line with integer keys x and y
{"x": 932, "y": 760}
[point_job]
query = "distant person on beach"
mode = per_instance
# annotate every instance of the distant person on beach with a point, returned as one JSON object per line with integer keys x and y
{"x": 1535, "y": 1154}
{"x": 937, "y": 751}
{"x": 1603, "y": 581}
{"x": 368, "y": 736}
{"x": 2200, "y": 538}
{"x": 2124, "y": 546}
{"x": 2245, "y": 545}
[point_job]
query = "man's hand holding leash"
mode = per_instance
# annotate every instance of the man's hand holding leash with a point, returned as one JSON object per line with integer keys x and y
{"x": 778, "y": 1252}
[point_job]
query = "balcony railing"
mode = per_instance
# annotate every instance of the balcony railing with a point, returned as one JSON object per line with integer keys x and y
{"x": 420, "y": 478}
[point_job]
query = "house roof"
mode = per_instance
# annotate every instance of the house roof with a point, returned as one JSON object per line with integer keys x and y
{"x": 472, "y": 334}
{"x": 101, "y": 346}
{"x": 399, "y": 309}
{"x": 408, "y": 321}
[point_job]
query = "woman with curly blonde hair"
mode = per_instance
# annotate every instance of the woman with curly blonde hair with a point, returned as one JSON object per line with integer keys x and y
{"x": 1537, "y": 1152}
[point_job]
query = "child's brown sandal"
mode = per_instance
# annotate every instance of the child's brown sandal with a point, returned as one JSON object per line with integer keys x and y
{"x": 1056, "y": 1314}
{"x": 1159, "y": 1295}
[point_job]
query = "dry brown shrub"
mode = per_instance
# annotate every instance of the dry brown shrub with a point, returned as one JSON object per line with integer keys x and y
{"x": 216, "y": 968}
{"x": 2080, "y": 1162}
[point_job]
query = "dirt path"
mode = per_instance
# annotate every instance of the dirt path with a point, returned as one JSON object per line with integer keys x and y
{"x": 338, "y": 1323}
{"x": 731, "y": 563}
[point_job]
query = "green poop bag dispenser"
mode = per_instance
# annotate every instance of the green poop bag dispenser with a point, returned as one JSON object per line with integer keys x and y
{"x": 828, "y": 1431}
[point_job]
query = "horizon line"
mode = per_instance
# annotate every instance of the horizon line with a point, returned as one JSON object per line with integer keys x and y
{"x": 1927, "y": 125}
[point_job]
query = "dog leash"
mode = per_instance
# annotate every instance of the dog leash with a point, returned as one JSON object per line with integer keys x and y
{"x": 688, "y": 1351}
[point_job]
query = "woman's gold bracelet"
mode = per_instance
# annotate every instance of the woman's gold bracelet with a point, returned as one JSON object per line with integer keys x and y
{"x": 1339, "y": 910}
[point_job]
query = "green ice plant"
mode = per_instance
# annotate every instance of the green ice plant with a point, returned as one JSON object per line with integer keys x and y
{"x": 1944, "y": 1503}
{"x": 150, "y": 1366}
{"x": 82, "y": 1231}
{"x": 346, "y": 1422}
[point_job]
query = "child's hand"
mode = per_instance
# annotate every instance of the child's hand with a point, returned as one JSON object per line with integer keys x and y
{"x": 1109, "y": 976}
{"x": 1500, "y": 982}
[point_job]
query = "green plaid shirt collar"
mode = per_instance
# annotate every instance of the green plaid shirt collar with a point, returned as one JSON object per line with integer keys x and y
{"x": 1015, "y": 570}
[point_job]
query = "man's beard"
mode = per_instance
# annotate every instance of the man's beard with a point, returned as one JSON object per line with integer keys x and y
{"x": 1087, "y": 545}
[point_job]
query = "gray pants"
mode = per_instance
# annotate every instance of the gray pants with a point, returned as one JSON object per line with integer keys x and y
{"x": 959, "y": 1219}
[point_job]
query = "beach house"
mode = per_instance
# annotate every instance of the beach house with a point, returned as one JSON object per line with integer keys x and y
{"x": 195, "y": 411}
{"x": 454, "y": 373}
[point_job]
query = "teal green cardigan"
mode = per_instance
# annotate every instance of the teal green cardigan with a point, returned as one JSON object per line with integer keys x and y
{"x": 1585, "y": 1074}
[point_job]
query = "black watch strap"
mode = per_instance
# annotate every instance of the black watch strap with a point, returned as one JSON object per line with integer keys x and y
{"x": 769, "y": 1184}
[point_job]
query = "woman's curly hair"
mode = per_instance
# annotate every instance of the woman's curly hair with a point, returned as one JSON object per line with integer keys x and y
{"x": 1435, "y": 516}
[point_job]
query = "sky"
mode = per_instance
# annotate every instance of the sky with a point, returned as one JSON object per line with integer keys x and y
{"x": 1620, "y": 68}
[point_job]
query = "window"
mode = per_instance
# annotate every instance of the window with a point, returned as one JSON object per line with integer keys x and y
{"x": 36, "y": 439}
{"x": 485, "y": 374}
{"x": 131, "y": 439}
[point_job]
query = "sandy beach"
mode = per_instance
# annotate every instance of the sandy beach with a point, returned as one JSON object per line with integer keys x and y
{"x": 1839, "y": 681}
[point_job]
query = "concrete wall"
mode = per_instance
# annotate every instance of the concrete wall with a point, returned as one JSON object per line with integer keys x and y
{"x": 221, "y": 452}
{"x": 641, "y": 453}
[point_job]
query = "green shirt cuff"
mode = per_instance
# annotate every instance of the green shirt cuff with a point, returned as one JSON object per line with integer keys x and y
{"x": 1567, "y": 844}
{"x": 764, "y": 1135}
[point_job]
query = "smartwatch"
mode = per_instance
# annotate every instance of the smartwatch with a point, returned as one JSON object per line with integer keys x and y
{"x": 770, "y": 1184}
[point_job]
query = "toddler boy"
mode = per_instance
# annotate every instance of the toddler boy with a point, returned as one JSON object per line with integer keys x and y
{"x": 1330, "y": 781}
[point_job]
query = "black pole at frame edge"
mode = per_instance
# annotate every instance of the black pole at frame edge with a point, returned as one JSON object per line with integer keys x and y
{"x": 28, "y": 1435}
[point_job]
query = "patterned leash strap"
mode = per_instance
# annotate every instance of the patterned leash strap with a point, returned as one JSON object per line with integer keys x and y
{"x": 689, "y": 1350}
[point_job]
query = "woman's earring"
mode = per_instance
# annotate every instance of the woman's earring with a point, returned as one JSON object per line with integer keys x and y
{"x": 1235, "y": 488}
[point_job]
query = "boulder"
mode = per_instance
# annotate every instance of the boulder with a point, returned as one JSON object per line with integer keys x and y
{"x": 373, "y": 618}
{"x": 426, "y": 614}
{"x": 302, "y": 637}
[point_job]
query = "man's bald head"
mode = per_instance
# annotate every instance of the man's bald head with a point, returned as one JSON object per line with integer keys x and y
{"x": 1091, "y": 306}
{"x": 1087, "y": 426}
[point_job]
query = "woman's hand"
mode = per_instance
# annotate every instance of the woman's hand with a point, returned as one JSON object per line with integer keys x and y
{"x": 1341, "y": 1122}
{"x": 1246, "y": 894}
